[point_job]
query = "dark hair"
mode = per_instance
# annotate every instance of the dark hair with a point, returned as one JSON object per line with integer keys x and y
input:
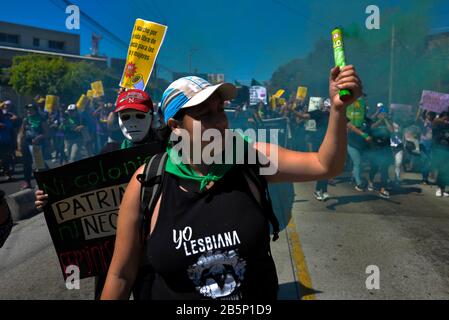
{"x": 432, "y": 115}
{"x": 179, "y": 115}
{"x": 444, "y": 114}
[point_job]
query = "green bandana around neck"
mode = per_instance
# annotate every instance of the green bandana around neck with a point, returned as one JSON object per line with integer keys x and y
{"x": 176, "y": 167}
{"x": 34, "y": 121}
{"x": 126, "y": 144}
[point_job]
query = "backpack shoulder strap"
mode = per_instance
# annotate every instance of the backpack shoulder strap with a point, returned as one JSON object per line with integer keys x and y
{"x": 151, "y": 181}
{"x": 262, "y": 186}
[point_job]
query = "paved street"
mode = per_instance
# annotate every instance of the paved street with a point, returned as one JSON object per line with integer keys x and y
{"x": 322, "y": 254}
{"x": 406, "y": 237}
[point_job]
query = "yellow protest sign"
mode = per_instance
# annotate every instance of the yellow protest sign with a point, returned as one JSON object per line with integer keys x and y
{"x": 90, "y": 94}
{"x": 51, "y": 102}
{"x": 146, "y": 40}
{"x": 301, "y": 93}
{"x": 279, "y": 93}
{"x": 82, "y": 101}
{"x": 97, "y": 88}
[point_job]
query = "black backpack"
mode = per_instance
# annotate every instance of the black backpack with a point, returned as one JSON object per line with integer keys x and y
{"x": 152, "y": 180}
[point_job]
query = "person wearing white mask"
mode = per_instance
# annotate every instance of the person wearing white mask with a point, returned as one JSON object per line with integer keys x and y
{"x": 134, "y": 113}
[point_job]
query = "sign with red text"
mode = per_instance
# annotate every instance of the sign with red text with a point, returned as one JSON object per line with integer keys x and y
{"x": 83, "y": 202}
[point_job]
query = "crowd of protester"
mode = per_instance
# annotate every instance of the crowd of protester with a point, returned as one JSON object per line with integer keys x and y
{"x": 67, "y": 134}
{"x": 380, "y": 143}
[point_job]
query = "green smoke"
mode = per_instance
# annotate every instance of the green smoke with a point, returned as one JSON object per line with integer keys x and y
{"x": 417, "y": 65}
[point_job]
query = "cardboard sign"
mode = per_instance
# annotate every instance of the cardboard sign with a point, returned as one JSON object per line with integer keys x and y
{"x": 301, "y": 93}
{"x": 146, "y": 40}
{"x": 83, "y": 202}
{"x": 97, "y": 88}
{"x": 434, "y": 101}
{"x": 257, "y": 94}
{"x": 51, "y": 102}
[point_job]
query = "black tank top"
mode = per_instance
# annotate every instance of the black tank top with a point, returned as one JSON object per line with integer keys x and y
{"x": 211, "y": 245}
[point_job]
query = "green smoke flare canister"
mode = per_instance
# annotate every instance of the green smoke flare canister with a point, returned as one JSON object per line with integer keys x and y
{"x": 339, "y": 56}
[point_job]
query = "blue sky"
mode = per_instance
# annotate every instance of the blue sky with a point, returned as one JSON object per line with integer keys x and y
{"x": 243, "y": 39}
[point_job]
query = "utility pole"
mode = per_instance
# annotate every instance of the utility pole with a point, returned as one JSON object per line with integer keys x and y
{"x": 393, "y": 40}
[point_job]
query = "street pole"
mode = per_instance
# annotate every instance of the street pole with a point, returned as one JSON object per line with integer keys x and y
{"x": 390, "y": 93}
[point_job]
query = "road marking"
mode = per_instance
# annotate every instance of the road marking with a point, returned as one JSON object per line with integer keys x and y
{"x": 298, "y": 259}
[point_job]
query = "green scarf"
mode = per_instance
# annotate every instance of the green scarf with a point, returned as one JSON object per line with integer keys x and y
{"x": 185, "y": 171}
{"x": 35, "y": 121}
{"x": 126, "y": 144}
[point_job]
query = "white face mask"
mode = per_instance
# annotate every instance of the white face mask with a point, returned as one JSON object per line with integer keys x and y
{"x": 134, "y": 124}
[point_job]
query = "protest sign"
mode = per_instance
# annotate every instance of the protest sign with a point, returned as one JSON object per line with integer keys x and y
{"x": 146, "y": 40}
{"x": 279, "y": 93}
{"x": 82, "y": 101}
{"x": 83, "y": 202}
{"x": 315, "y": 103}
{"x": 51, "y": 102}
{"x": 97, "y": 88}
{"x": 301, "y": 93}
{"x": 434, "y": 101}
{"x": 90, "y": 94}
{"x": 257, "y": 94}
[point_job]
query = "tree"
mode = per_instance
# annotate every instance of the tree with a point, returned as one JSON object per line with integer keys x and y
{"x": 39, "y": 74}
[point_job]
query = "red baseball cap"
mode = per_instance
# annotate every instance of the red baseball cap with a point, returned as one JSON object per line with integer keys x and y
{"x": 134, "y": 99}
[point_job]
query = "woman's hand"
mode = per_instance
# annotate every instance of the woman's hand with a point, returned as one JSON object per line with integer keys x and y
{"x": 344, "y": 78}
{"x": 41, "y": 199}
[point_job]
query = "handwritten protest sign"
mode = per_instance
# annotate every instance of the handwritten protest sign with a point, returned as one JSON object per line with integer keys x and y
{"x": 146, "y": 40}
{"x": 434, "y": 101}
{"x": 51, "y": 102}
{"x": 257, "y": 94}
{"x": 83, "y": 202}
{"x": 97, "y": 88}
{"x": 301, "y": 93}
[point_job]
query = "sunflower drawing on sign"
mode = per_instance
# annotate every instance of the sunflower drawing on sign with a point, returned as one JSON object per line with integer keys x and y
{"x": 136, "y": 78}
